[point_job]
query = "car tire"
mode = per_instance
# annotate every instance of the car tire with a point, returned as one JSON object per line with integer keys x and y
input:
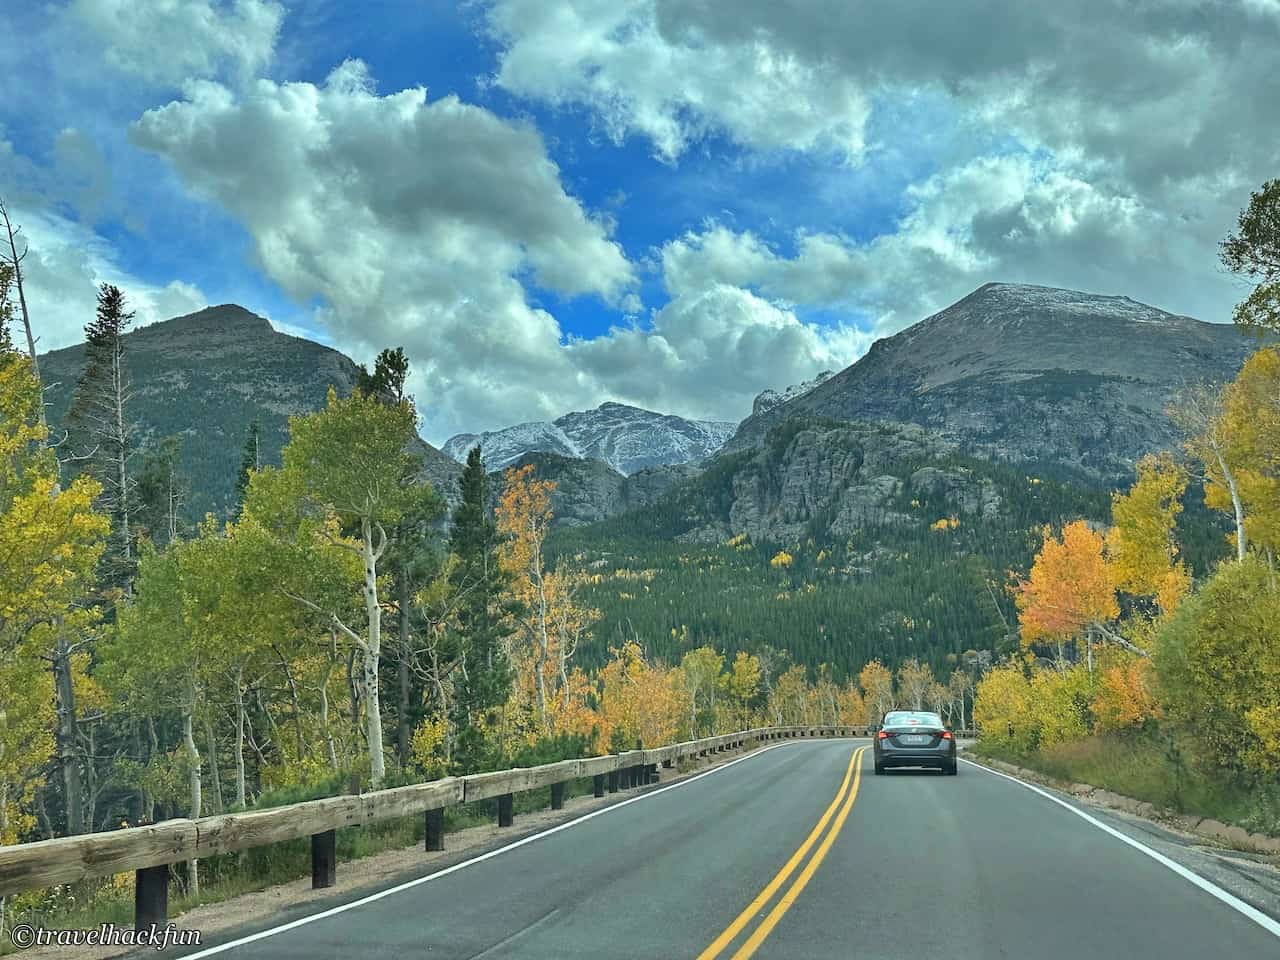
{"x": 952, "y": 769}
{"x": 879, "y": 769}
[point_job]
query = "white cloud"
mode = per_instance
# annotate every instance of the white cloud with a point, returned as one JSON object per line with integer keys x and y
{"x": 620, "y": 58}
{"x": 66, "y": 263}
{"x": 709, "y": 351}
{"x": 168, "y": 42}
{"x": 415, "y": 223}
{"x": 1011, "y": 218}
{"x": 1158, "y": 115}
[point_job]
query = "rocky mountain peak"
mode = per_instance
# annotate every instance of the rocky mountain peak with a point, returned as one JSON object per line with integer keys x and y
{"x": 1029, "y": 373}
{"x": 627, "y": 438}
{"x": 768, "y": 399}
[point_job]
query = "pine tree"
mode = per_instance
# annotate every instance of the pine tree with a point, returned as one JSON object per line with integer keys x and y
{"x": 99, "y": 415}
{"x": 161, "y": 491}
{"x": 250, "y": 460}
{"x": 483, "y": 613}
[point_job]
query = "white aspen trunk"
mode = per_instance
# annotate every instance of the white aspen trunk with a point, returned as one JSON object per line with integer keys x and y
{"x": 241, "y": 801}
{"x": 372, "y": 706}
{"x": 193, "y": 759}
{"x": 1234, "y": 490}
{"x": 215, "y": 778}
{"x": 542, "y": 640}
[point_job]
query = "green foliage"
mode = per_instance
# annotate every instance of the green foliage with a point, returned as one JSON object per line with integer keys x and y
{"x": 1218, "y": 663}
{"x": 891, "y": 592}
{"x": 1253, "y": 251}
{"x": 479, "y": 594}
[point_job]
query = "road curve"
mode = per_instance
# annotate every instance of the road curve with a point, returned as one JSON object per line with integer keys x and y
{"x": 903, "y": 866}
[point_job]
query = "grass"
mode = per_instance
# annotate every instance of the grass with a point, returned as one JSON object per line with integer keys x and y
{"x": 110, "y": 899}
{"x": 1152, "y": 769}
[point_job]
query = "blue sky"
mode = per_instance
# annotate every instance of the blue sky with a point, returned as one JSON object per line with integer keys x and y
{"x": 673, "y": 205}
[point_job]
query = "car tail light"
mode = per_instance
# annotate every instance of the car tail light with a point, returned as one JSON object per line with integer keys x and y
{"x": 882, "y": 735}
{"x": 946, "y": 734}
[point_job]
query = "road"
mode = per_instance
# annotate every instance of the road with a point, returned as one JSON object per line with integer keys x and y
{"x": 794, "y": 852}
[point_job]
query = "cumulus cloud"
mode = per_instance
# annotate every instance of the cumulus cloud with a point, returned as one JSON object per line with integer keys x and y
{"x": 1157, "y": 90}
{"x": 167, "y": 42}
{"x": 64, "y": 266}
{"x": 711, "y": 349}
{"x": 1148, "y": 123}
{"x": 620, "y": 58}
{"x": 1011, "y": 217}
{"x": 418, "y": 222}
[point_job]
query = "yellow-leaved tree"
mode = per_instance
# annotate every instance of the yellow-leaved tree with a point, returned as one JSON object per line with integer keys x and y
{"x": 640, "y": 702}
{"x": 552, "y": 622}
{"x": 1142, "y": 548}
{"x": 50, "y": 544}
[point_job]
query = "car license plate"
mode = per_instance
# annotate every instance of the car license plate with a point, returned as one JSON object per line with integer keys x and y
{"x": 915, "y": 738}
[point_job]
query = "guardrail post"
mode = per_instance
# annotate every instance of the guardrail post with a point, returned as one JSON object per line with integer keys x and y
{"x": 557, "y": 796}
{"x": 324, "y": 859}
{"x": 653, "y": 773}
{"x": 613, "y": 781}
{"x": 435, "y": 829}
{"x": 506, "y": 810}
{"x": 597, "y": 785}
{"x": 151, "y": 897}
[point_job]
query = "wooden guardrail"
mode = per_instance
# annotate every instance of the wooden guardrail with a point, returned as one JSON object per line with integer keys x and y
{"x": 149, "y": 850}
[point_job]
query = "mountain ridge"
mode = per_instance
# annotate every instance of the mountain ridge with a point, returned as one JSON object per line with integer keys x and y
{"x": 627, "y": 438}
{"x": 1023, "y": 373}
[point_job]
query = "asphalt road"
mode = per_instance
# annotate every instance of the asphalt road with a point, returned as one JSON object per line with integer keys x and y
{"x": 794, "y": 853}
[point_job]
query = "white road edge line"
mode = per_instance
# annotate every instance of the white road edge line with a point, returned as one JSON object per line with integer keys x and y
{"x": 1231, "y": 900}
{"x": 417, "y": 881}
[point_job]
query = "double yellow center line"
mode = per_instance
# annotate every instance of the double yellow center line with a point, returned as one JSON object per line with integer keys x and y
{"x": 843, "y": 803}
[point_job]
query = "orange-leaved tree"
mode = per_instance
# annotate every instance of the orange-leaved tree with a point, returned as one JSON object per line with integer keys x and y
{"x": 1070, "y": 592}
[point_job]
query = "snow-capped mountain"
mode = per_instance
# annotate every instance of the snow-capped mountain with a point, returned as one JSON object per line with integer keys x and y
{"x": 768, "y": 399}
{"x": 1027, "y": 373}
{"x": 627, "y": 438}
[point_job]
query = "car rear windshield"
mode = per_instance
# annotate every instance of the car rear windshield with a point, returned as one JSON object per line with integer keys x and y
{"x": 912, "y": 719}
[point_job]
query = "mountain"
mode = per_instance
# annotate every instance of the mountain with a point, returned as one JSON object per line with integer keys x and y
{"x": 766, "y": 400}
{"x": 589, "y": 490}
{"x": 207, "y": 376}
{"x": 628, "y": 439}
{"x": 1029, "y": 374}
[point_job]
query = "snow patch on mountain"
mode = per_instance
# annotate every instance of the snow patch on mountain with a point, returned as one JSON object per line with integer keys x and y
{"x": 627, "y": 438}
{"x": 503, "y": 447}
{"x": 768, "y": 399}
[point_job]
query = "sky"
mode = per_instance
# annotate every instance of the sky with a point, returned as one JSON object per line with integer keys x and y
{"x": 669, "y": 203}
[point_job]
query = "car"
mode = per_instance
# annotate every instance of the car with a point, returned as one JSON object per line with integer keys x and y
{"x": 913, "y": 738}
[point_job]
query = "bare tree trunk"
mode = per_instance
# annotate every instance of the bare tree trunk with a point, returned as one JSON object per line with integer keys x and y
{"x": 373, "y": 646}
{"x": 404, "y": 731}
{"x": 68, "y": 735}
{"x": 330, "y": 749}
{"x": 193, "y": 782}
{"x": 542, "y": 640}
{"x": 241, "y": 792}
{"x": 118, "y": 383}
{"x": 1234, "y": 490}
{"x": 15, "y": 261}
{"x": 215, "y": 777}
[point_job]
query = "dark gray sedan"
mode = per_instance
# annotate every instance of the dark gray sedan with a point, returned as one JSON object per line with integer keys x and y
{"x": 909, "y": 738}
